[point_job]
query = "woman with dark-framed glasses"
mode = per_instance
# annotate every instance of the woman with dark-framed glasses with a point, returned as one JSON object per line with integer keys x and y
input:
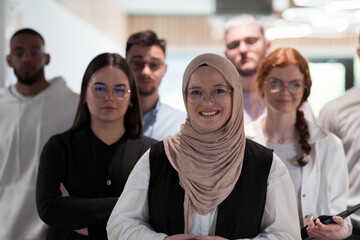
{"x": 314, "y": 157}
{"x": 83, "y": 171}
{"x": 208, "y": 181}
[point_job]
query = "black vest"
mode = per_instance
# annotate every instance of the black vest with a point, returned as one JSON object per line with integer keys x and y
{"x": 239, "y": 215}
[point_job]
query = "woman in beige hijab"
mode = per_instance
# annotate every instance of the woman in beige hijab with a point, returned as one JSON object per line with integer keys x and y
{"x": 208, "y": 181}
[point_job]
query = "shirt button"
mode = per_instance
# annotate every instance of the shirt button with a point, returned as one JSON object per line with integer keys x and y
{"x": 108, "y": 182}
{"x": 304, "y": 195}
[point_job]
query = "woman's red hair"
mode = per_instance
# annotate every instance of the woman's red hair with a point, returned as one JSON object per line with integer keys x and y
{"x": 283, "y": 57}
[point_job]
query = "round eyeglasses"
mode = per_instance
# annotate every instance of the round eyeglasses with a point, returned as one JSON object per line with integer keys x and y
{"x": 216, "y": 95}
{"x": 294, "y": 87}
{"x": 100, "y": 91}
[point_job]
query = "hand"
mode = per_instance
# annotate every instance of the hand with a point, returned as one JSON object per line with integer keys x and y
{"x": 210, "y": 238}
{"x": 83, "y": 231}
{"x": 64, "y": 192}
{"x": 333, "y": 231}
{"x": 182, "y": 237}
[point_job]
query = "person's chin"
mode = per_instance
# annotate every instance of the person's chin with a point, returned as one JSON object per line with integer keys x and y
{"x": 28, "y": 80}
{"x": 247, "y": 73}
{"x": 147, "y": 92}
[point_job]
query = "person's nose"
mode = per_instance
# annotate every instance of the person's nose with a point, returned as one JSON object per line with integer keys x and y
{"x": 243, "y": 47}
{"x": 146, "y": 69}
{"x": 109, "y": 95}
{"x": 26, "y": 57}
{"x": 285, "y": 89}
{"x": 207, "y": 99}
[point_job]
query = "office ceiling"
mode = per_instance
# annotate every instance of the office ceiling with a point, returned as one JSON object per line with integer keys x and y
{"x": 167, "y": 7}
{"x": 290, "y": 18}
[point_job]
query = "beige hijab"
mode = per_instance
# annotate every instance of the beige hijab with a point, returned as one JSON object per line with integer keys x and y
{"x": 209, "y": 163}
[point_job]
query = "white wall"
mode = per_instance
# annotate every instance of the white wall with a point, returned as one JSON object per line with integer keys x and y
{"x": 3, "y": 18}
{"x": 71, "y": 42}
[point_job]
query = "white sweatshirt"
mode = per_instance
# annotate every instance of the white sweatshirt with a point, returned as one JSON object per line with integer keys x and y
{"x": 26, "y": 123}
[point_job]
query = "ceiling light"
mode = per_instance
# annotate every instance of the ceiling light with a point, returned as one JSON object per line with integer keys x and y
{"x": 338, "y": 24}
{"x": 280, "y": 5}
{"x": 337, "y": 6}
{"x": 288, "y": 32}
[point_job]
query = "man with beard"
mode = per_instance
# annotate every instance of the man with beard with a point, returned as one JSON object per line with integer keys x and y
{"x": 146, "y": 56}
{"x": 32, "y": 110}
{"x": 246, "y": 47}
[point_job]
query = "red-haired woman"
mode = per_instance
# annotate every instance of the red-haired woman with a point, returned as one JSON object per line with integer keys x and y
{"x": 314, "y": 157}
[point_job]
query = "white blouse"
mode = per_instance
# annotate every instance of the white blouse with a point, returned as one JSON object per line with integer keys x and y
{"x": 130, "y": 217}
{"x": 324, "y": 179}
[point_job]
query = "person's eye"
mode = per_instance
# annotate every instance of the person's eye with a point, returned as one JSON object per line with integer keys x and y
{"x": 19, "y": 54}
{"x": 154, "y": 65}
{"x": 139, "y": 64}
{"x": 233, "y": 45}
{"x": 219, "y": 90}
{"x": 35, "y": 53}
{"x": 295, "y": 84}
{"x": 120, "y": 90}
{"x": 251, "y": 41}
{"x": 99, "y": 88}
{"x": 195, "y": 92}
{"x": 275, "y": 83}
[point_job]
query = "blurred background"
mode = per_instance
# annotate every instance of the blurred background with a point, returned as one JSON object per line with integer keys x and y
{"x": 326, "y": 32}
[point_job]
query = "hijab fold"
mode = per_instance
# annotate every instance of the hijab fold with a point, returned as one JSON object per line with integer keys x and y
{"x": 208, "y": 163}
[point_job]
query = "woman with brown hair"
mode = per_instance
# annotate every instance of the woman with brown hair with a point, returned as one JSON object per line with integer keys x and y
{"x": 208, "y": 181}
{"x": 314, "y": 157}
{"x": 83, "y": 171}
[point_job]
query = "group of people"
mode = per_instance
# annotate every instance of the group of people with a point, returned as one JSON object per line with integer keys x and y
{"x": 246, "y": 160}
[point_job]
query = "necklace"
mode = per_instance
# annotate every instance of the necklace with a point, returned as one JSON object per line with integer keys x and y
{"x": 282, "y": 139}
{"x": 279, "y": 140}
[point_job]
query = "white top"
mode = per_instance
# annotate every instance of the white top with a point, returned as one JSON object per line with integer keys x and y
{"x": 130, "y": 217}
{"x": 324, "y": 179}
{"x": 162, "y": 121}
{"x": 288, "y": 153}
{"x": 26, "y": 123}
{"x": 342, "y": 117}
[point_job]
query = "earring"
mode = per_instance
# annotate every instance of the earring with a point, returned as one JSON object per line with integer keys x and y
{"x": 130, "y": 105}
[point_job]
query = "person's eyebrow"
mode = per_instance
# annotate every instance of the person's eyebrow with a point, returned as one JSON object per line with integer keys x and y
{"x": 18, "y": 48}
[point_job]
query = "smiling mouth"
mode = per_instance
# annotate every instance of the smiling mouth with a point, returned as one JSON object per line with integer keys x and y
{"x": 209, "y": 113}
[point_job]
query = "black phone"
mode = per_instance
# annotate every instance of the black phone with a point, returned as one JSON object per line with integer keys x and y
{"x": 325, "y": 219}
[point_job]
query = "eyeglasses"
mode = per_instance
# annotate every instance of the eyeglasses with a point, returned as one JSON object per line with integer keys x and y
{"x": 295, "y": 87}
{"x": 100, "y": 91}
{"x": 216, "y": 94}
{"x": 138, "y": 65}
{"x": 248, "y": 41}
{"x": 33, "y": 53}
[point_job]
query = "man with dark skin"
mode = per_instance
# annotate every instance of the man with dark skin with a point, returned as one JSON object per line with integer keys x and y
{"x": 32, "y": 110}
